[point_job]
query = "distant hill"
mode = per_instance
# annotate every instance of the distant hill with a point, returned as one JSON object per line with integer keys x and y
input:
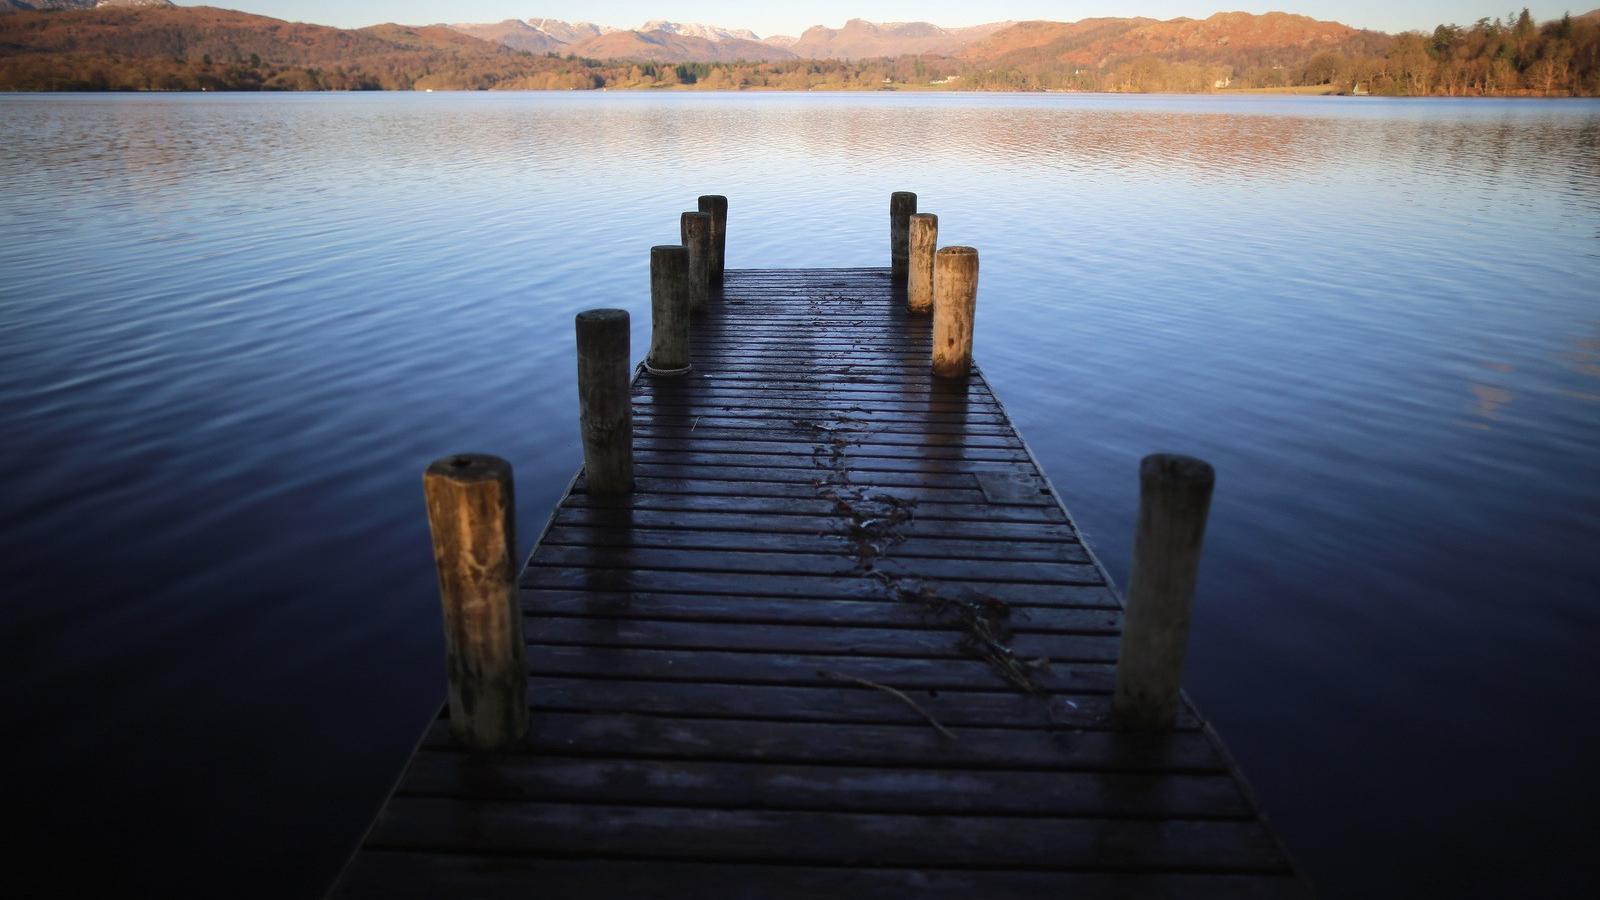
{"x": 860, "y": 39}
{"x": 1234, "y": 39}
{"x": 657, "y": 40}
{"x": 662, "y": 46}
{"x": 514, "y": 33}
{"x": 34, "y": 5}
{"x": 695, "y": 29}
{"x": 569, "y": 32}
{"x": 114, "y": 47}
{"x": 665, "y": 41}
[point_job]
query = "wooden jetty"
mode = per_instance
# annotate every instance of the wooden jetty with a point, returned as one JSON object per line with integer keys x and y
{"x": 820, "y": 627}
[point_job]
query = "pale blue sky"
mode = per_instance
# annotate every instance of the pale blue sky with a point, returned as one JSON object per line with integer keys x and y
{"x": 1384, "y": 15}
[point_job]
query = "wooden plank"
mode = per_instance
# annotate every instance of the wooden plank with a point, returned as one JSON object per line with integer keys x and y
{"x": 825, "y": 587}
{"x": 707, "y": 487}
{"x": 926, "y": 510}
{"x": 836, "y": 838}
{"x": 954, "y": 422}
{"x": 715, "y": 472}
{"x": 792, "y": 669}
{"x": 838, "y": 705}
{"x": 602, "y": 734}
{"x": 735, "y": 397}
{"x": 859, "y": 452}
{"x": 788, "y": 638}
{"x": 791, "y": 611}
{"x": 810, "y": 434}
{"x": 839, "y": 458}
{"x": 834, "y": 537}
{"x": 793, "y": 435}
{"x": 725, "y": 785}
{"x": 934, "y": 432}
{"x": 891, "y": 612}
{"x": 405, "y": 875}
{"x": 919, "y": 532}
{"x": 757, "y": 562}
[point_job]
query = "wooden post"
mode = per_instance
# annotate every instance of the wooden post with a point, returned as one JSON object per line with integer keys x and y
{"x": 695, "y": 228}
{"x": 471, "y": 513}
{"x": 1174, "y": 497}
{"x": 605, "y": 404}
{"x": 717, "y": 206}
{"x": 955, "y": 303}
{"x": 669, "y": 311}
{"x": 924, "y": 241}
{"x": 901, "y": 205}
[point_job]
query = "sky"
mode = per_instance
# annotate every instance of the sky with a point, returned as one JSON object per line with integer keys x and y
{"x": 766, "y": 20}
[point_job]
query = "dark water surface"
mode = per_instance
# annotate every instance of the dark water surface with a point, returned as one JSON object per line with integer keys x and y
{"x": 235, "y": 328}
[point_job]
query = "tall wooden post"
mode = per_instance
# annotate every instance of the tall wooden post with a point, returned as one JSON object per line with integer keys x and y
{"x": 924, "y": 241}
{"x": 669, "y": 311}
{"x": 471, "y": 513}
{"x": 1174, "y": 498}
{"x": 955, "y": 303}
{"x": 605, "y": 407}
{"x": 695, "y": 228}
{"x": 901, "y": 205}
{"x": 717, "y": 206}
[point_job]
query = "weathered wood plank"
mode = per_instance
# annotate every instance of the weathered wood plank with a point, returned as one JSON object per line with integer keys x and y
{"x": 825, "y": 587}
{"x": 794, "y": 669}
{"x": 835, "y": 838}
{"x": 760, "y": 562}
{"x": 918, "y": 533}
{"x": 841, "y": 705}
{"x": 783, "y": 638}
{"x": 779, "y": 611}
{"x": 429, "y": 875}
{"x": 911, "y": 746}
{"x": 832, "y": 537}
{"x": 724, "y": 785}
{"x": 926, "y": 510}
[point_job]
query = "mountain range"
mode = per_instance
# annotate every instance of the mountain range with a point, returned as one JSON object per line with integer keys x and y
{"x": 35, "y": 5}
{"x": 665, "y": 41}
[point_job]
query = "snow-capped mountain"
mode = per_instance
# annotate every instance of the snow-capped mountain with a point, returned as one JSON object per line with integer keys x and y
{"x": 695, "y": 29}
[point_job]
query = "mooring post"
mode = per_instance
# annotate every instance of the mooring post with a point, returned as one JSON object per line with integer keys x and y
{"x": 902, "y": 204}
{"x": 955, "y": 303}
{"x": 605, "y": 406}
{"x": 924, "y": 241}
{"x": 669, "y": 310}
{"x": 471, "y": 513}
{"x": 717, "y": 206}
{"x": 1174, "y": 497}
{"x": 695, "y": 229}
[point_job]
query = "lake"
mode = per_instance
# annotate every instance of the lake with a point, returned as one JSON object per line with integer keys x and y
{"x": 236, "y": 328}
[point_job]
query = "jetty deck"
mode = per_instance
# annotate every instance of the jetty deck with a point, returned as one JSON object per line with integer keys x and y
{"x": 842, "y": 640}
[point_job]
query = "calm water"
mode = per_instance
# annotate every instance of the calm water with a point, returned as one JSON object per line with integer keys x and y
{"x": 234, "y": 329}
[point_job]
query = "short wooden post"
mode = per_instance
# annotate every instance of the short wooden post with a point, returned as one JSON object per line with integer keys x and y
{"x": 605, "y": 404}
{"x": 717, "y": 206}
{"x": 955, "y": 303}
{"x": 901, "y": 205}
{"x": 471, "y": 512}
{"x": 695, "y": 228}
{"x": 924, "y": 243}
{"x": 669, "y": 310}
{"x": 1174, "y": 497}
